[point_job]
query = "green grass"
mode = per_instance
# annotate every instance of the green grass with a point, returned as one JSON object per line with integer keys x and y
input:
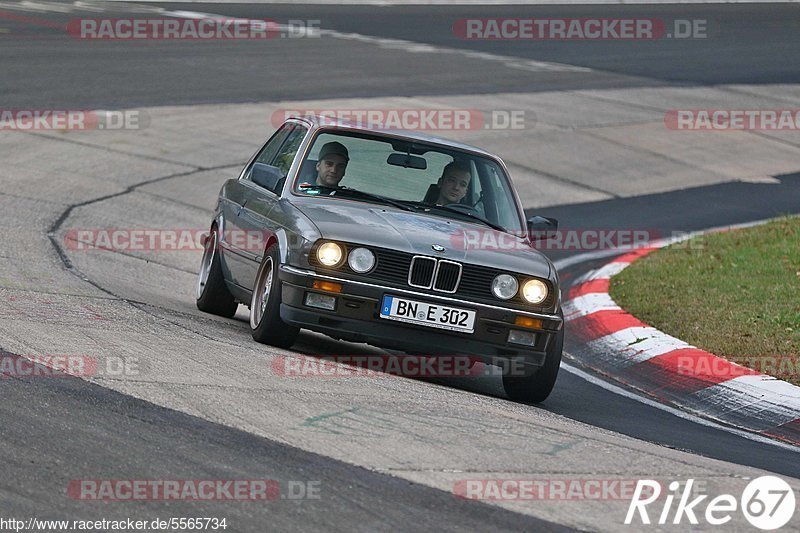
{"x": 734, "y": 294}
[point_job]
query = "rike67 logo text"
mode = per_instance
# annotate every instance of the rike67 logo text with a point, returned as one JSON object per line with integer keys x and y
{"x": 767, "y": 502}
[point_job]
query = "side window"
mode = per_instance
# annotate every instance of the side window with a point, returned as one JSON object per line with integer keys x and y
{"x": 267, "y": 153}
{"x": 285, "y": 156}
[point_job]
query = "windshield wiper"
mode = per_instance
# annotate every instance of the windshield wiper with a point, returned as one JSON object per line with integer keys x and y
{"x": 314, "y": 186}
{"x": 378, "y": 198}
{"x": 366, "y": 195}
{"x": 479, "y": 218}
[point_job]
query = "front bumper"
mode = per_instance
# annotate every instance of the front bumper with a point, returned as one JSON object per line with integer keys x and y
{"x": 356, "y": 318}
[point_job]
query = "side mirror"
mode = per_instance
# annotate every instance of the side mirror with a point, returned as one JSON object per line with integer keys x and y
{"x": 266, "y": 176}
{"x": 542, "y": 228}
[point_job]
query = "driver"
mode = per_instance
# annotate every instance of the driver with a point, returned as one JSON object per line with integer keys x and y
{"x": 454, "y": 183}
{"x": 331, "y": 164}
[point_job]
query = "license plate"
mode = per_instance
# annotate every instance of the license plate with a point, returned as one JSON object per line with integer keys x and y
{"x": 426, "y": 314}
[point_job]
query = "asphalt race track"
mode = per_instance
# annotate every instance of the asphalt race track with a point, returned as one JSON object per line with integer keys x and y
{"x": 747, "y": 44}
{"x": 202, "y": 400}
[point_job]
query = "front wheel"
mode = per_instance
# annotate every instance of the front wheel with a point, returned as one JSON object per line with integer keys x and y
{"x": 265, "y": 305}
{"x": 536, "y": 387}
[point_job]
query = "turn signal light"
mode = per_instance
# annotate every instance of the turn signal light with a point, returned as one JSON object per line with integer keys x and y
{"x": 327, "y": 286}
{"x": 528, "y": 322}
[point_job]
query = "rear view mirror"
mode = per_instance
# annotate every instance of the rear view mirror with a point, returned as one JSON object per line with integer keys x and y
{"x": 266, "y": 176}
{"x": 408, "y": 147}
{"x": 542, "y": 228}
{"x": 407, "y": 161}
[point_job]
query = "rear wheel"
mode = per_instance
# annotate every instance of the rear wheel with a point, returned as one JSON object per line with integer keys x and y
{"x": 265, "y": 306}
{"x": 537, "y": 387}
{"x": 211, "y": 293}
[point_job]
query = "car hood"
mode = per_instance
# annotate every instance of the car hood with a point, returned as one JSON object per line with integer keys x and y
{"x": 417, "y": 233}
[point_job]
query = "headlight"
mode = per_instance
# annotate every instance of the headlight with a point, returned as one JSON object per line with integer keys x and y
{"x": 505, "y": 286}
{"x": 361, "y": 260}
{"x": 330, "y": 254}
{"x": 534, "y": 291}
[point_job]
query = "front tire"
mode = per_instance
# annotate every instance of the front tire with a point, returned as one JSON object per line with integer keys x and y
{"x": 211, "y": 293}
{"x": 536, "y": 387}
{"x": 265, "y": 305}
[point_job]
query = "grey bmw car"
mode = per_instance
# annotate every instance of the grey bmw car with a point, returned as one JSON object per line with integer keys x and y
{"x": 398, "y": 239}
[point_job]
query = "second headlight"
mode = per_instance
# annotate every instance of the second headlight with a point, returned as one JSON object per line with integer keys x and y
{"x": 361, "y": 260}
{"x": 534, "y": 291}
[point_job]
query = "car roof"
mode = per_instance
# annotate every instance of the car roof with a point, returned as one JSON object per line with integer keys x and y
{"x": 317, "y": 121}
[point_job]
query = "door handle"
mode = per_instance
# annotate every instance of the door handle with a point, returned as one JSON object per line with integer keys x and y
{"x": 241, "y": 207}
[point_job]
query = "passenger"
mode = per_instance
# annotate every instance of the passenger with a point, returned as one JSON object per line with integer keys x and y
{"x": 331, "y": 164}
{"x": 454, "y": 183}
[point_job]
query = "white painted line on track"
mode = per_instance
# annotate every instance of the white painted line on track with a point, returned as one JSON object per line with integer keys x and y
{"x": 418, "y": 48}
{"x": 643, "y": 343}
{"x": 588, "y": 304}
{"x": 415, "y": 47}
{"x": 673, "y": 411}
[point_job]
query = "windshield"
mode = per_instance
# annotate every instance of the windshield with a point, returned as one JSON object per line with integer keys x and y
{"x": 414, "y": 175}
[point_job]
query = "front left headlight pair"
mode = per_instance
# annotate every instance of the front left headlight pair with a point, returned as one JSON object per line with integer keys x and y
{"x": 505, "y": 287}
{"x": 332, "y": 255}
